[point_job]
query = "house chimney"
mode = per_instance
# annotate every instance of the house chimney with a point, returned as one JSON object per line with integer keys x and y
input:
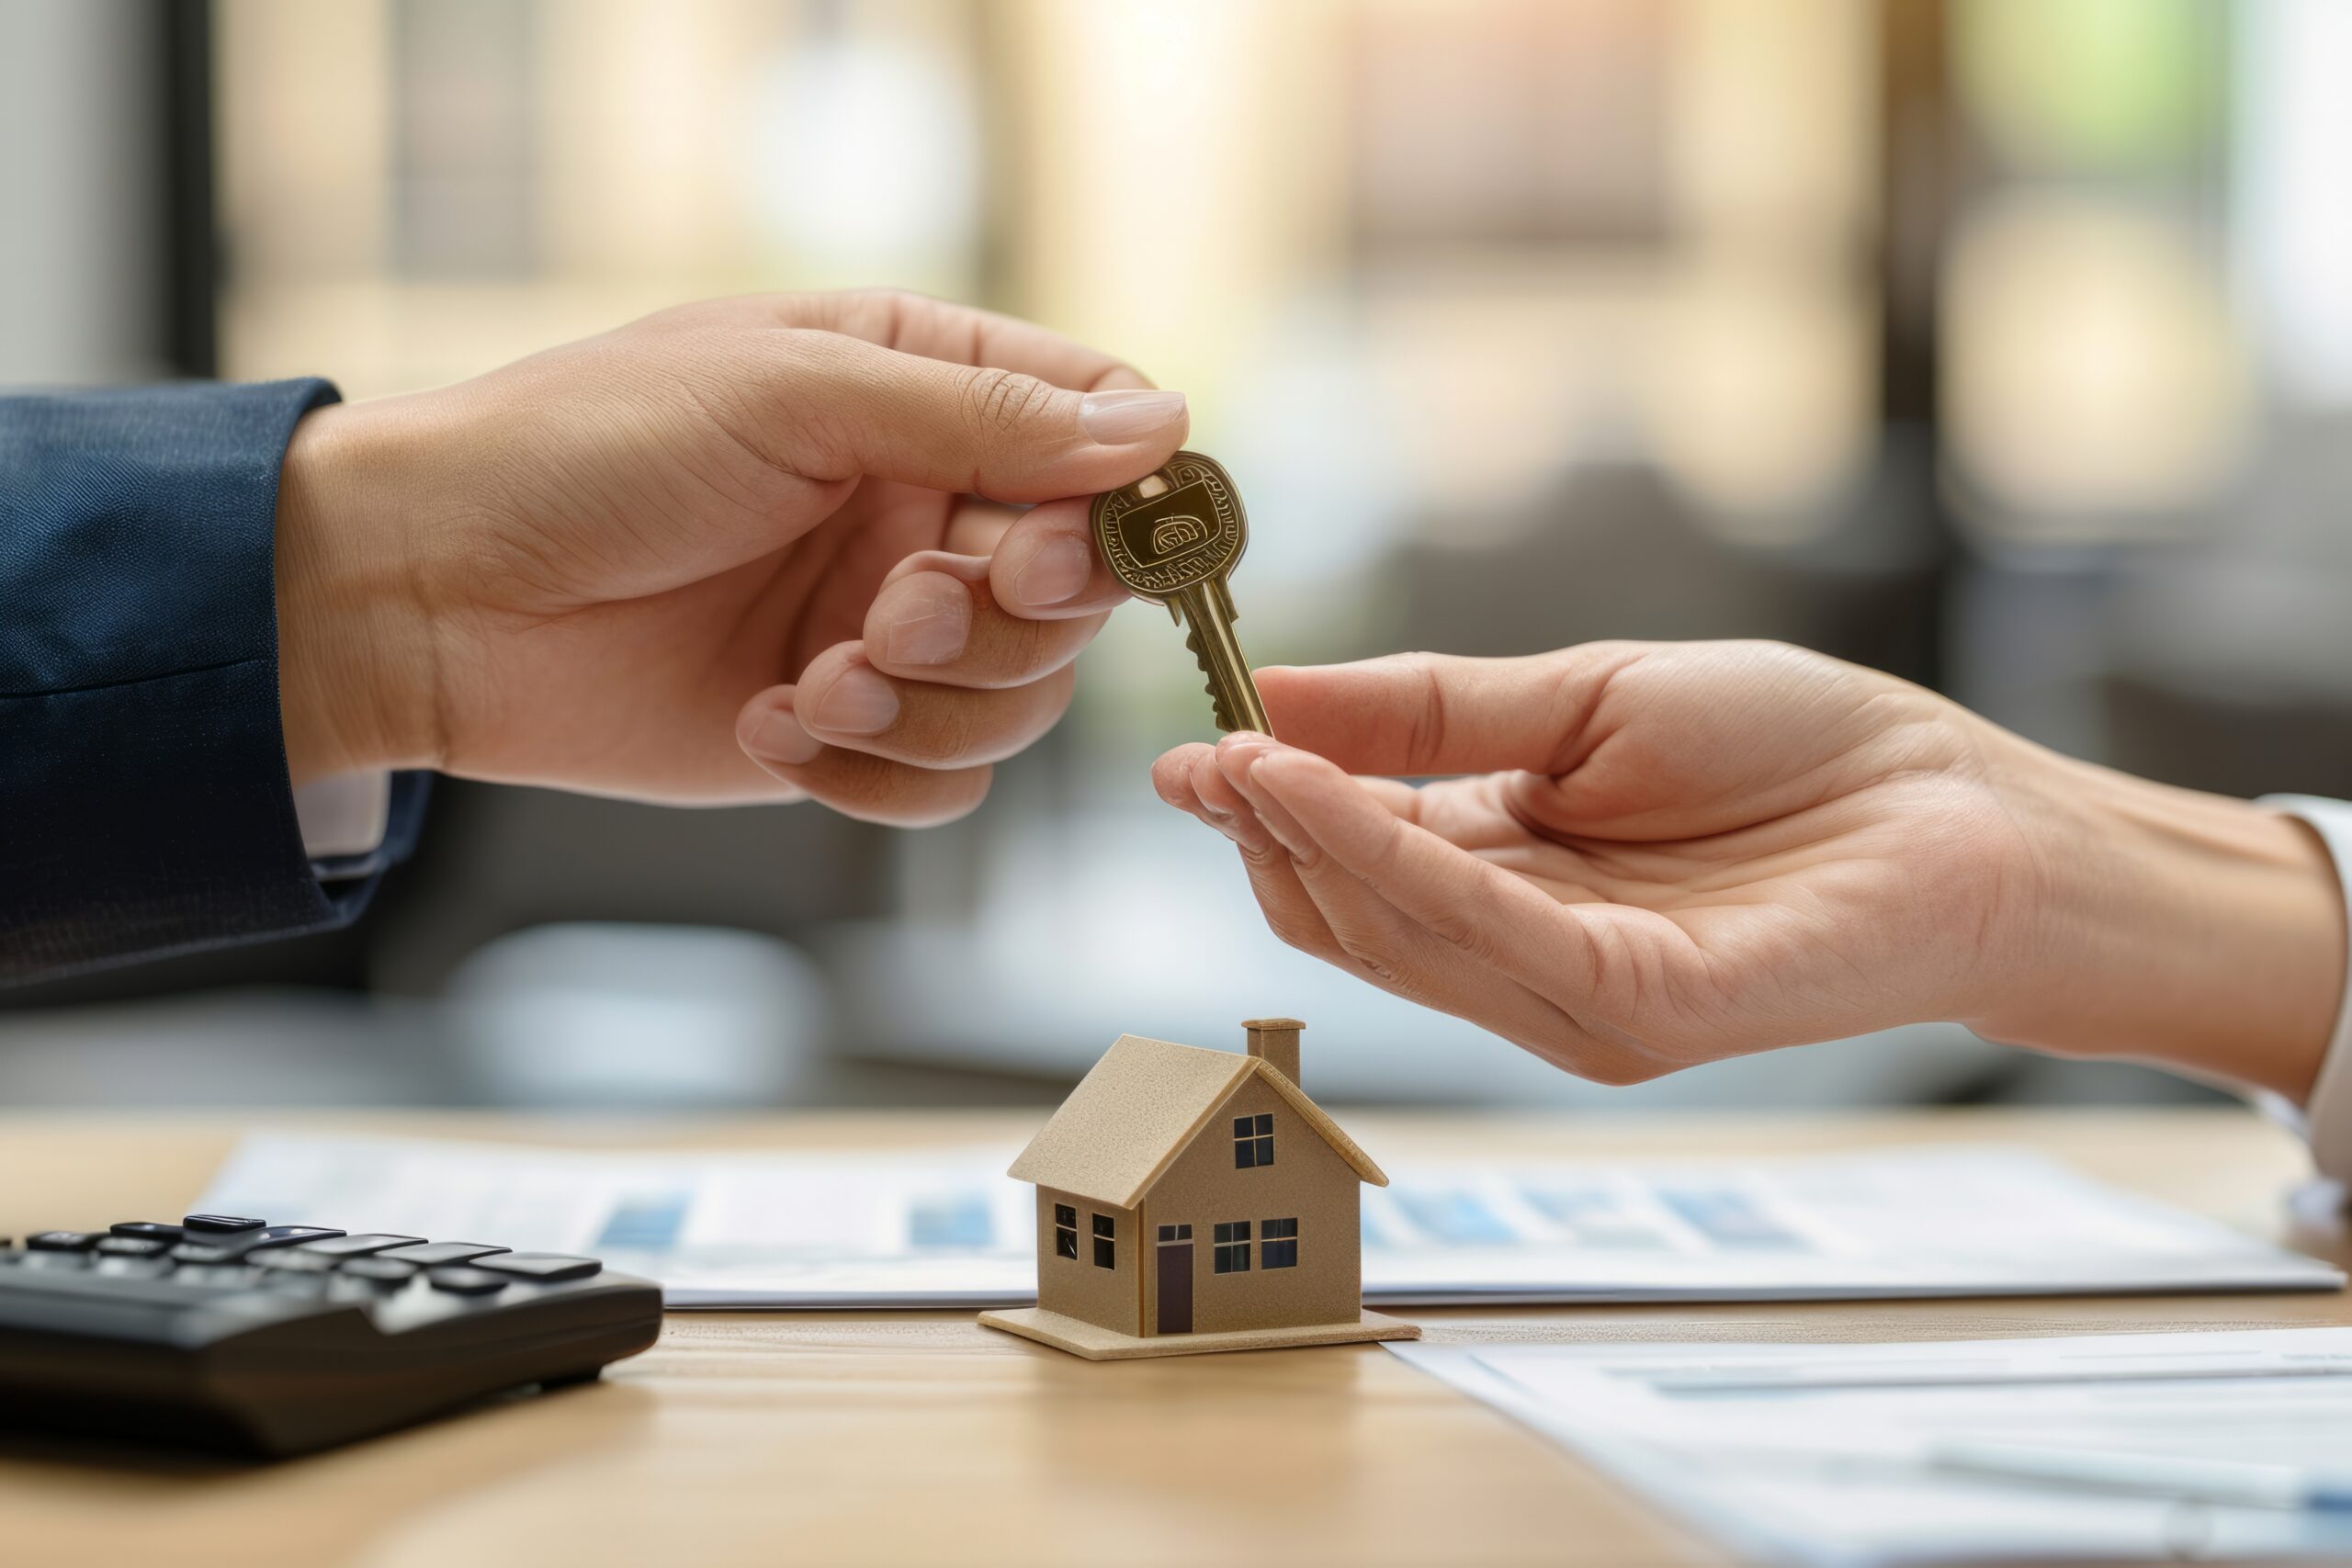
{"x": 1274, "y": 1041}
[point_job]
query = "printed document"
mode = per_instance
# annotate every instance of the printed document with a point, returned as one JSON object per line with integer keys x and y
{"x": 1837, "y": 1454}
{"x": 947, "y": 1228}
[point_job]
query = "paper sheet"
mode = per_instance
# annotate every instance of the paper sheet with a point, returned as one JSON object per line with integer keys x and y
{"x": 1820, "y": 1454}
{"x": 948, "y": 1228}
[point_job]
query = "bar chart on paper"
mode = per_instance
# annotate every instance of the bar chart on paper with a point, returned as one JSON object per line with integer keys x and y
{"x": 2107, "y": 1447}
{"x": 945, "y": 1228}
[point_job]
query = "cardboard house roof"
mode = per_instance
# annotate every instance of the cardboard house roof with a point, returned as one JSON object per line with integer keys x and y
{"x": 1134, "y": 1112}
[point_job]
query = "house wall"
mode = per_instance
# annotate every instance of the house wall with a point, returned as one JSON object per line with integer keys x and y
{"x": 1306, "y": 1181}
{"x": 1078, "y": 1287}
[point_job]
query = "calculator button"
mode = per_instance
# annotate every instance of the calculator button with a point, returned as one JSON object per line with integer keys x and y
{"x": 61, "y": 1241}
{"x": 544, "y": 1267}
{"x": 434, "y": 1252}
{"x": 201, "y": 1252}
{"x": 352, "y": 1245}
{"x": 340, "y": 1287}
{"x": 55, "y": 1260}
{"x": 220, "y": 1247}
{"x": 281, "y": 1235}
{"x": 464, "y": 1281}
{"x": 133, "y": 1268}
{"x": 381, "y": 1271}
{"x": 132, "y": 1247}
{"x": 292, "y": 1261}
{"x": 149, "y": 1229}
{"x": 215, "y": 1276}
{"x": 220, "y": 1223}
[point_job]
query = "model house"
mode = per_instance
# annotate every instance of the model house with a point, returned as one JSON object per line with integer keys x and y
{"x": 1191, "y": 1200}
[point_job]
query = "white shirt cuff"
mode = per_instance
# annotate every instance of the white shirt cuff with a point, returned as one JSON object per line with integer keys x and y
{"x": 2326, "y": 1119}
{"x": 344, "y": 815}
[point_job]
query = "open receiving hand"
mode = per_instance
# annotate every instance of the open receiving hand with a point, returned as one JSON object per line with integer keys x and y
{"x": 1665, "y": 854}
{"x": 732, "y": 552}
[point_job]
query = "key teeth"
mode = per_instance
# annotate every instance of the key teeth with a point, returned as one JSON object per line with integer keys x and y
{"x": 1227, "y": 721}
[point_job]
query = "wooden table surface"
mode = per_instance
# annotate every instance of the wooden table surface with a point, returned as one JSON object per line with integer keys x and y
{"x": 920, "y": 1438}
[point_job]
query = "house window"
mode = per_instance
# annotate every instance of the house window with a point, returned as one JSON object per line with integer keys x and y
{"x": 1254, "y": 1140}
{"x": 1105, "y": 1251}
{"x": 1233, "y": 1246}
{"x": 1065, "y": 1231}
{"x": 1175, "y": 1233}
{"x": 1278, "y": 1243}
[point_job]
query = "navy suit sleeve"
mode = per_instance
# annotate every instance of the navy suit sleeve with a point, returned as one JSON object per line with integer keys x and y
{"x": 144, "y": 802}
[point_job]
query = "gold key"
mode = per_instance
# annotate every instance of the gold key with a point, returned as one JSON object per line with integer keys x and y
{"x": 1172, "y": 537}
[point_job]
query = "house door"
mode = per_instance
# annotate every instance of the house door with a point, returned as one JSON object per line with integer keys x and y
{"x": 1175, "y": 1287}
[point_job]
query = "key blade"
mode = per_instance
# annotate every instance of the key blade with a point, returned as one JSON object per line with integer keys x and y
{"x": 1208, "y": 612}
{"x": 1172, "y": 537}
{"x": 1228, "y": 720}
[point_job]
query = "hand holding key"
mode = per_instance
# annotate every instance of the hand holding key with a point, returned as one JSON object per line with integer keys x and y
{"x": 1650, "y": 855}
{"x": 725, "y": 554}
{"x": 1172, "y": 537}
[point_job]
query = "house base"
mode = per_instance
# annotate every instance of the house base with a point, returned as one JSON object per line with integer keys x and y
{"x": 1097, "y": 1343}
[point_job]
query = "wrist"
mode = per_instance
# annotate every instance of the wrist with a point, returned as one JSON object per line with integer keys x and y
{"x": 2197, "y": 930}
{"x": 355, "y": 668}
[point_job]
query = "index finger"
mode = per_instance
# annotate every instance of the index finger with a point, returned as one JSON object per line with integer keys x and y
{"x": 1417, "y": 714}
{"x": 1046, "y": 568}
{"x": 940, "y": 329}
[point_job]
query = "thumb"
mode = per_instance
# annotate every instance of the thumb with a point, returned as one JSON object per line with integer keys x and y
{"x": 1425, "y": 713}
{"x": 846, "y": 407}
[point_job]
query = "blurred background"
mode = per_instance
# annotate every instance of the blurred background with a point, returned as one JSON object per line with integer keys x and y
{"x": 2004, "y": 344}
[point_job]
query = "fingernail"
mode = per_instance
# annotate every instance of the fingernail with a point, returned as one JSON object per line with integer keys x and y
{"x": 859, "y": 702}
{"x": 1056, "y": 573}
{"x": 779, "y": 737}
{"x": 925, "y": 618}
{"x": 1239, "y": 752}
{"x": 1111, "y": 419}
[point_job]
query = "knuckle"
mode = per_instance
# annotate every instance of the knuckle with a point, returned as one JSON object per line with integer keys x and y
{"x": 1370, "y": 955}
{"x": 949, "y": 804}
{"x": 884, "y": 312}
{"x": 1291, "y": 934}
{"x": 998, "y": 402}
{"x": 1022, "y": 650}
{"x": 811, "y": 344}
{"x": 899, "y": 796}
{"x": 1294, "y": 932}
{"x": 1308, "y": 858}
{"x": 1469, "y": 936}
{"x": 1264, "y": 860}
{"x": 1424, "y": 705}
{"x": 952, "y": 730}
{"x": 1572, "y": 1050}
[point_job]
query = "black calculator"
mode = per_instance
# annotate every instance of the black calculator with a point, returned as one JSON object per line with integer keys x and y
{"x": 223, "y": 1332}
